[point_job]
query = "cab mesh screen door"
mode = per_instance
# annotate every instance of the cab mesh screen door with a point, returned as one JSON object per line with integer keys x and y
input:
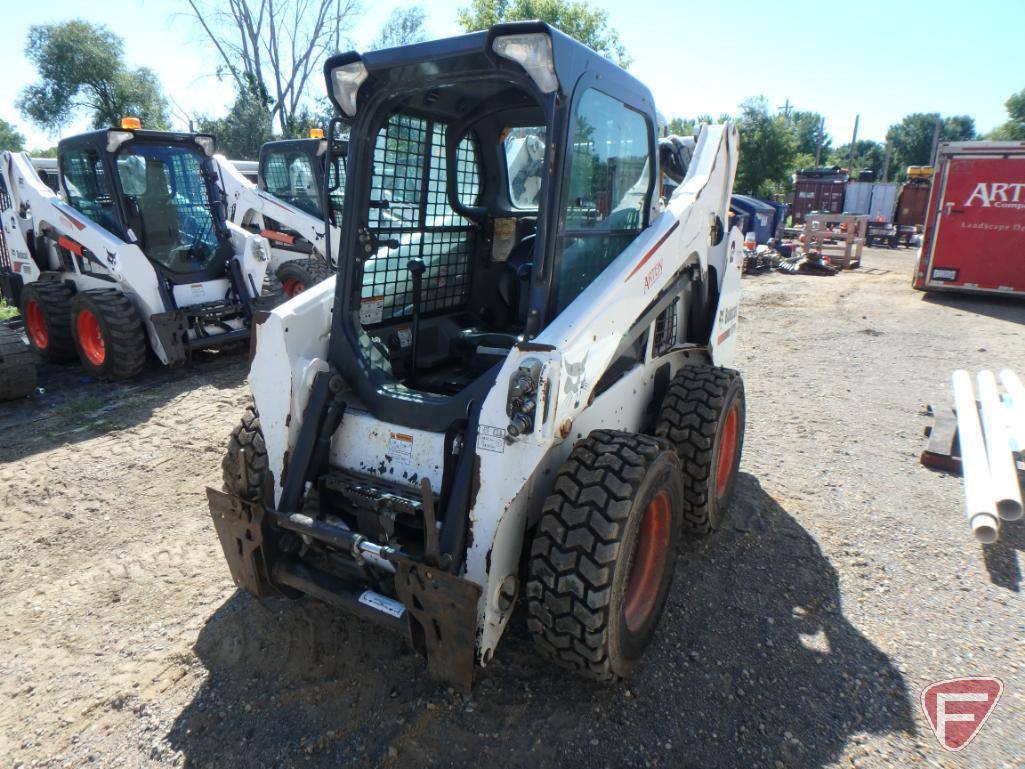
{"x": 409, "y": 205}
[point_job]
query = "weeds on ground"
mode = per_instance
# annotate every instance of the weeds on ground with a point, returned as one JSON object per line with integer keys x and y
{"x": 7, "y": 311}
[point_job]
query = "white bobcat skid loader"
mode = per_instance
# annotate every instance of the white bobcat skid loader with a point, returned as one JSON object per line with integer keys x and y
{"x": 134, "y": 249}
{"x": 503, "y": 373}
{"x": 296, "y": 205}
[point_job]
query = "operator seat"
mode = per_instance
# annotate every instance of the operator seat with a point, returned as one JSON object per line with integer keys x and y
{"x": 513, "y": 290}
{"x": 158, "y": 214}
{"x": 514, "y": 280}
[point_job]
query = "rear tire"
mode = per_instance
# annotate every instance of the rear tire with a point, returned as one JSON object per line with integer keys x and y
{"x": 46, "y": 309}
{"x": 703, "y": 416}
{"x": 17, "y": 366}
{"x": 300, "y": 274}
{"x": 602, "y": 560}
{"x": 108, "y": 334}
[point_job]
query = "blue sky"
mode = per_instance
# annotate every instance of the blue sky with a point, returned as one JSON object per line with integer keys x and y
{"x": 880, "y": 59}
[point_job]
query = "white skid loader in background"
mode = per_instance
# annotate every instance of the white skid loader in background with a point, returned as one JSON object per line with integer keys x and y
{"x": 296, "y": 194}
{"x": 135, "y": 249}
{"x": 512, "y": 388}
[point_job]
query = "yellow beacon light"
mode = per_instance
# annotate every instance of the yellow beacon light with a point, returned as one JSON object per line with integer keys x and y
{"x": 131, "y": 123}
{"x": 316, "y": 133}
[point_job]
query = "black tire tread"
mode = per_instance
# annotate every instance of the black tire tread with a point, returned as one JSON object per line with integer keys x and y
{"x": 17, "y": 366}
{"x": 55, "y": 298}
{"x": 688, "y": 419}
{"x": 125, "y": 338}
{"x": 310, "y": 271}
{"x": 246, "y": 449}
{"x": 577, "y": 544}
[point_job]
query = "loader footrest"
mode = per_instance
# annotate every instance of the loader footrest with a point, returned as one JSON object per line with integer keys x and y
{"x": 239, "y": 527}
{"x": 443, "y": 609}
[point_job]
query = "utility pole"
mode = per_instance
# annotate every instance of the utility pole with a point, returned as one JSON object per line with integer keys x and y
{"x": 935, "y": 142}
{"x": 819, "y": 140}
{"x": 886, "y": 159}
{"x": 854, "y": 145}
{"x": 786, "y": 109}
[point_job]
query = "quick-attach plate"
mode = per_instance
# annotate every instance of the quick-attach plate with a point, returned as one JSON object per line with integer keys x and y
{"x": 239, "y": 526}
{"x": 445, "y": 607}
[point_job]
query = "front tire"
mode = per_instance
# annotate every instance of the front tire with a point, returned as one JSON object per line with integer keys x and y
{"x": 602, "y": 560}
{"x": 245, "y": 468}
{"x": 108, "y": 334}
{"x": 703, "y": 416}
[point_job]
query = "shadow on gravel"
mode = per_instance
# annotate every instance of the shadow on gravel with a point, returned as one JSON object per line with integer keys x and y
{"x": 754, "y": 665}
{"x": 1000, "y": 307}
{"x": 1003, "y": 558}
{"x": 70, "y": 406}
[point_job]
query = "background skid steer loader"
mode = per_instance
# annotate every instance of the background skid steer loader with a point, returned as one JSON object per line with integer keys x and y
{"x": 134, "y": 249}
{"x": 296, "y": 205}
{"x": 500, "y": 370}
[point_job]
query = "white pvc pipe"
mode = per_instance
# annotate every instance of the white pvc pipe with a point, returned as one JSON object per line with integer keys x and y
{"x": 1017, "y": 411}
{"x": 979, "y": 503}
{"x": 1002, "y": 471}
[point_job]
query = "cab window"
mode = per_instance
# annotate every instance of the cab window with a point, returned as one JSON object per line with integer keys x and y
{"x": 524, "y": 162}
{"x": 88, "y": 187}
{"x": 289, "y": 176}
{"x": 608, "y": 191}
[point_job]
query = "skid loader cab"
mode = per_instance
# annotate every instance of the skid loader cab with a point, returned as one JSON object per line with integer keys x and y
{"x": 514, "y": 164}
{"x": 507, "y": 368}
{"x": 155, "y": 189}
{"x": 297, "y": 171}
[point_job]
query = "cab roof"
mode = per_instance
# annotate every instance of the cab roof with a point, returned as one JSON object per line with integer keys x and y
{"x": 422, "y": 64}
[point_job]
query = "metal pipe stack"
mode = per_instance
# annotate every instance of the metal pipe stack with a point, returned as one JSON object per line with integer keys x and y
{"x": 992, "y": 491}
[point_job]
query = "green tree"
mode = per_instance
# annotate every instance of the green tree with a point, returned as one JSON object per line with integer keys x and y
{"x": 1014, "y": 128}
{"x": 39, "y": 152}
{"x": 577, "y": 19}
{"x": 81, "y": 67}
{"x": 245, "y": 128}
{"x": 404, "y": 27}
{"x": 10, "y": 138}
{"x": 868, "y": 156}
{"x": 768, "y": 150}
{"x": 810, "y": 133}
{"x": 912, "y": 137}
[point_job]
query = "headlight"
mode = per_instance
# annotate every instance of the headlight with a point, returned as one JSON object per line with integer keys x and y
{"x": 347, "y": 80}
{"x": 534, "y": 53}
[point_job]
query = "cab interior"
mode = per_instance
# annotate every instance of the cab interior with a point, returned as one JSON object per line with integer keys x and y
{"x": 456, "y": 182}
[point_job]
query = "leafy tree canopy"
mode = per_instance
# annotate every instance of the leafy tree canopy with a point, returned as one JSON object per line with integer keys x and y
{"x": 81, "y": 68}
{"x": 768, "y": 149}
{"x": 1014, "y": 128}
{"x": 579, "y": 20}
{"x": 404, "y": 27}
{"x": 10, "y": 138}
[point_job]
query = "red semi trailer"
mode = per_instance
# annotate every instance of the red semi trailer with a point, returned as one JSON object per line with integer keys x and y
{"x": 974, "y": 238}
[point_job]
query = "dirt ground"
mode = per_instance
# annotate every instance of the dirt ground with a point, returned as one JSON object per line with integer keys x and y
{"x": 799, "y": 635}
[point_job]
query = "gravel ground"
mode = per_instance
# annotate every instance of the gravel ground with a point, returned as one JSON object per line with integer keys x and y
{"x": 800, "y": 635}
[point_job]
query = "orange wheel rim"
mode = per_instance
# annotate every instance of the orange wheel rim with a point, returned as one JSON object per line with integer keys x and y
{"x": 35, "y": 323}
{"x": 727, "y": 452}
{"x": 293, "y": 287}
{"x": 649, "y": 562}
{"x": 90, "y": 337}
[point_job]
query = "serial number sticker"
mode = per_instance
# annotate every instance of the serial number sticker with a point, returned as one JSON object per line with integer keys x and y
{"x": 382, "y": 603}
{"x": 941, "y": 274}
{"x": 371, "y": 310}
{"x": 400, "y": 445}
{"x": 491, "y": 439}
